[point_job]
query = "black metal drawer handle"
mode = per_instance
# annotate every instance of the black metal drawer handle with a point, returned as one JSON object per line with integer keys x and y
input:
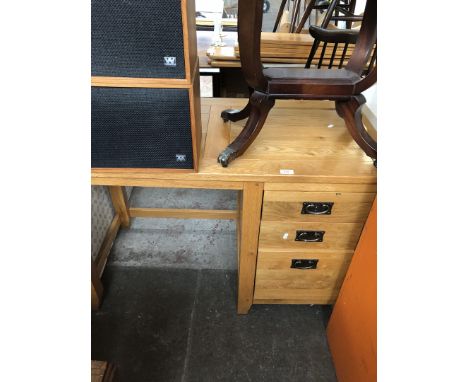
{"x": 316, "y": 208}
{"x": 304, "y": 263}
{"x": 310, "y": 236}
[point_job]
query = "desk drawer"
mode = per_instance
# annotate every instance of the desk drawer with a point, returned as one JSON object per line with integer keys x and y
{"x": 316, "y": 206}
{"x": 281, "y": 236}
{"x": 277, "y": 282}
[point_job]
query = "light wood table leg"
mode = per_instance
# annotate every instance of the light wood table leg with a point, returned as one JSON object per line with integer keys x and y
{"x": 250, "y": 211}
{"x": 96, "y": 287}
{"x": 119, "y": 200}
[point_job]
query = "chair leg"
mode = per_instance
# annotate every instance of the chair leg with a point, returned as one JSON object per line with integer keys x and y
{"x": 350, "y": 111}
{"x": 260, "y": 105}
{"x": 237, "y": 115}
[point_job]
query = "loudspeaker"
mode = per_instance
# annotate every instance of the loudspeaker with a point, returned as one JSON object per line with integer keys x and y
{"x": 145, "y": 96}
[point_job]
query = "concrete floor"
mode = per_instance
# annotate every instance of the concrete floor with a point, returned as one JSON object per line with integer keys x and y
{"x": 169, "y": 310}
{"x": 176, "y": 243}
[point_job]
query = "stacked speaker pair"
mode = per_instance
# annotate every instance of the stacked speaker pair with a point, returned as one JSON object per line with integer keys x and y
{"x": 145, "y": 95}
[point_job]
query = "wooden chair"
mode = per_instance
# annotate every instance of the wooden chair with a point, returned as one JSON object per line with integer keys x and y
{"x": 336, "y": 10}
{"x": 333, "y": 48}
{"x": 344, "y": 86}
{"x": 341, "y": 10}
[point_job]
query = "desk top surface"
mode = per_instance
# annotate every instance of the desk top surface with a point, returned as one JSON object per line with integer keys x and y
{"x": 305, "y": 138}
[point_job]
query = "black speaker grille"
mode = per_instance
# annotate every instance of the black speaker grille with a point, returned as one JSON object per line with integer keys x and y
{"x": 140, "y": 128}
{"x": 137, "y": 38}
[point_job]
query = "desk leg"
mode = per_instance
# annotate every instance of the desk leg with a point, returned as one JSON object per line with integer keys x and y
{"x": 119, "y": 200}
{"x": 250, "y": 211}
{"x": 96, "y": 288}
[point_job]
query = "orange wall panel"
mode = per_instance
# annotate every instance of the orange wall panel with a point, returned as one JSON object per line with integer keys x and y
{"x": 352, "y": 330}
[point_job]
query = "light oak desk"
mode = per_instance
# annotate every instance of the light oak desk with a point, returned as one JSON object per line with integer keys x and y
{"x": 304, "y": 151}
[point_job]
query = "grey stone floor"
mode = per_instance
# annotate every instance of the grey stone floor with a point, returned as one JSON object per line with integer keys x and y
{"x": 169, "y": 310}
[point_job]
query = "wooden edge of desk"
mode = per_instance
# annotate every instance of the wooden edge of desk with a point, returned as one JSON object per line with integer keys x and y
{"x": 310, "y": 301}
{"x": 251, "y": 208}
{"x": 166, "y": 183}
{"x": 227, "y": 181}
{"x": 183, "y": 213}
{"x": 120, "y": 203}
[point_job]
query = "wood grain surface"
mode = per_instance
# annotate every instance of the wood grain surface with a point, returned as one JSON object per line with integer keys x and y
{"x": 280, "y": 236}
{"x": 347, "y": 207}
{"x": 276, "y": 280}
{"x": 249, "y": 223}
{"x": 293, "y": 137}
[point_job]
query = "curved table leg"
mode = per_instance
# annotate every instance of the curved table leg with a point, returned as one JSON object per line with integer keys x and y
{"x": 237, "y": 115}
{"x": 260, "y": 106}
{"x": 350, "y": 111}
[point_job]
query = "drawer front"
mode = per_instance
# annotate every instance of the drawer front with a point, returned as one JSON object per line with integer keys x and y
{"x": 277, "y": 281}
{"x": 316, "y": 206}
{"x": 281, "y": 236}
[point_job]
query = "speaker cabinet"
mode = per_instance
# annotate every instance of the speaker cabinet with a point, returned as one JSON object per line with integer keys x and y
{"x": 145, "y": 108}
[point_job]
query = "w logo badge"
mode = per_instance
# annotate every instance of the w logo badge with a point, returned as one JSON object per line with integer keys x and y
{"x": 170, "y": 61}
